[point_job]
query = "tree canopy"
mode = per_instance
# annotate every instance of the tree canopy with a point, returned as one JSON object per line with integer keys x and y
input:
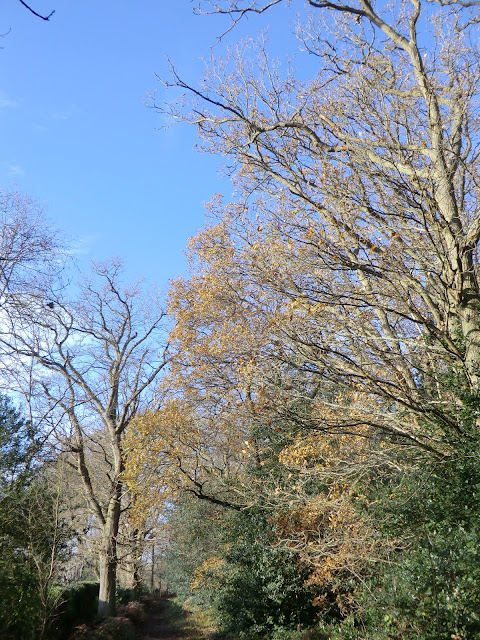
{"x": 308, "y": 431}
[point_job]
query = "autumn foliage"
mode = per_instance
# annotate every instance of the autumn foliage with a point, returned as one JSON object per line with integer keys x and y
{"x": 326, "y": 343}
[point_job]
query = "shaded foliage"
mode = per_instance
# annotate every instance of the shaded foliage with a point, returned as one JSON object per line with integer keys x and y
{"x": 32, "y": 536}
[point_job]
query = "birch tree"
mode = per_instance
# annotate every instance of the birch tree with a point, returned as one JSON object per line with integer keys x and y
{"x": 95, "y": 359}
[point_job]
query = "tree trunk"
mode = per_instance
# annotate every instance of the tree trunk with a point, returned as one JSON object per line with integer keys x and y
{"x": 108, "y": 561}
{"x": 134, "y": 581}
{"x": 152, "y": 572}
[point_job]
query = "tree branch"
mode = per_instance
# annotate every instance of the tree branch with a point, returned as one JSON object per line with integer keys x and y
{"x": 46, "y": 18}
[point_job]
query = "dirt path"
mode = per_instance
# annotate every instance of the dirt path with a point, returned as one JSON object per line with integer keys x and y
{"x": 159, "y": 624}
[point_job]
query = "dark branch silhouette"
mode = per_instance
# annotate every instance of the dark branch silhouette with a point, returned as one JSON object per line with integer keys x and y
{"x": 35, "y": 13}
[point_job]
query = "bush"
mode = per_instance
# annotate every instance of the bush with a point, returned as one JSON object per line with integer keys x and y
{"x": 134, "y": 611}
{"x": 118, "y": 628}
{"x": 30, "y": 535}
{"x": 308, "y": 634}
{"x": 20, "y": 605}
{"x": 79, "y": 605}
{"x": 122, "y": 594}
{"x": 429, "y": 589}
{"x": 148, "y": 601}
{"x": 252, "y": 587}
{"x": 81, "y": 632}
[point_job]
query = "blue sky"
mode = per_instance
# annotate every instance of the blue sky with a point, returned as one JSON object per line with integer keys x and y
{"x": 76, "y": 135}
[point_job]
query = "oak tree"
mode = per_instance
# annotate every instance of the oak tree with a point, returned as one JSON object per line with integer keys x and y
{"x": 356, "y": 219}
{"x": 93, "y": 356}
{"x": 339, "y": 291}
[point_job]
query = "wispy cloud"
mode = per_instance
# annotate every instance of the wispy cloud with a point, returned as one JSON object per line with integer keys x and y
{"x": 14, "y": 170}
{"x": 83, "y": 244}
{"x": 6, "y": 102}
{"x": 66, "y": 114}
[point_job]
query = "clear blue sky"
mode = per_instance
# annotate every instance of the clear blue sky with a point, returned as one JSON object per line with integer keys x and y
{"x": 76, "y": 135}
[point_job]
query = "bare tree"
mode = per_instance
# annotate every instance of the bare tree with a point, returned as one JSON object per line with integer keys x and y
{"x": 31, "y": 257}
{"x": 28, "y": 246}
{"x": 95, "y": 361}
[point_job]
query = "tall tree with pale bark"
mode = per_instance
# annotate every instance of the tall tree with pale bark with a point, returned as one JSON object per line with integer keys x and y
{"x": 355, "y": 231}
{"x": 93, "y": 357}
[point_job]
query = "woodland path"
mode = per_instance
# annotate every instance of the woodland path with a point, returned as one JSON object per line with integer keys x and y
{"x": 159, "y": 624}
